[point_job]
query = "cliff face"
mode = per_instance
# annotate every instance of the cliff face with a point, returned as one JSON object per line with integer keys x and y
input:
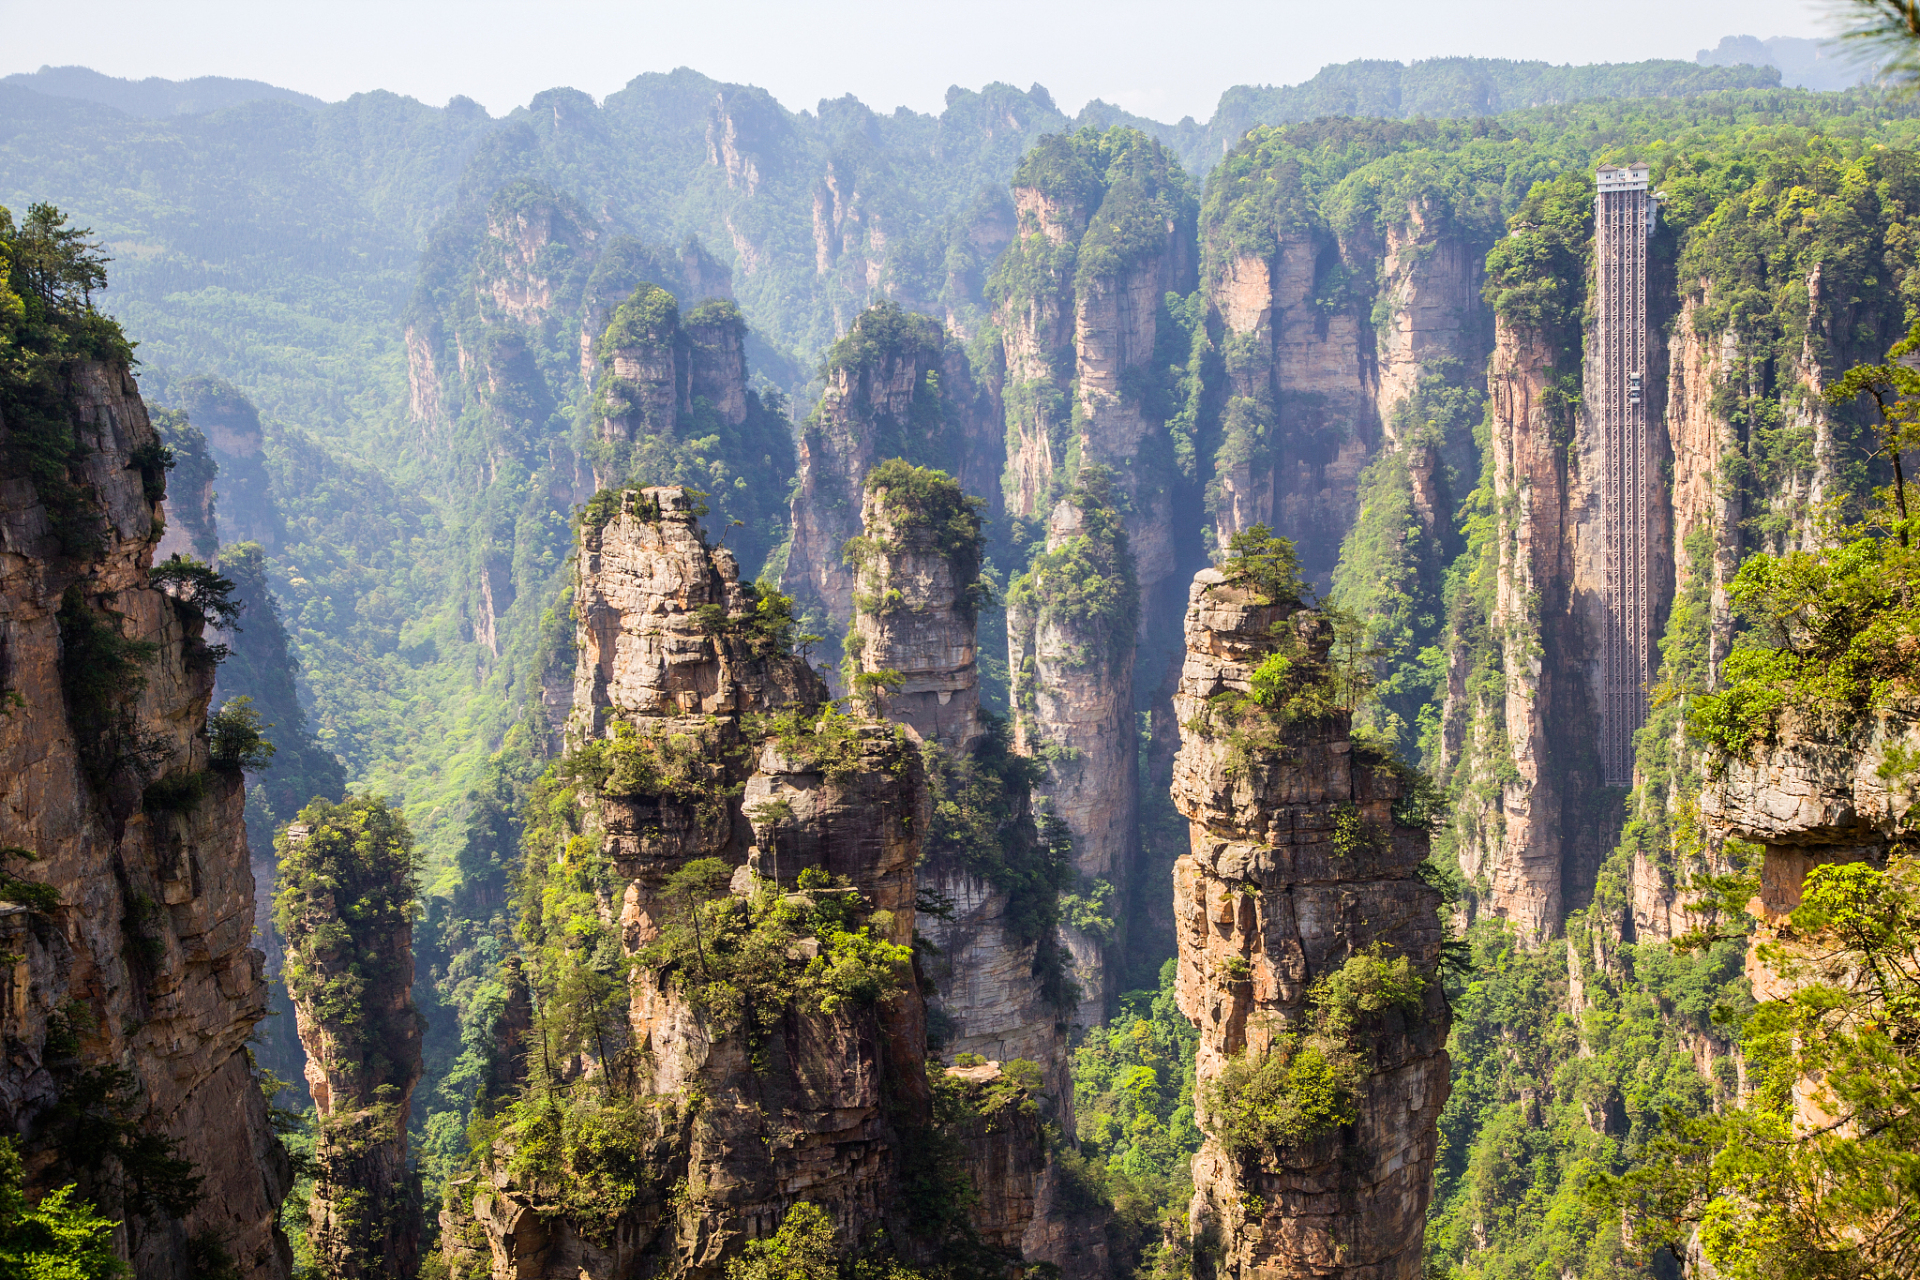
{"x": 1535, "y": 822}
{"x": 991, "y": 991}
{"x": 897, "y": 387}
{"x": 1299, "y": 417}
{"x": 1809, "y": 802}
{"x": 1431, "y": 277}
{"x": 1297, "y": 866}
{"x": 1070, "y": 646}
{"x": 1105, "y": 233}
{"x": 918, "y": 589}
{"x": 808, "y": 1099}
{"x": 1311, "y": 390}
{"x": 344, "y": 906}
{"x": 145, "y": 963}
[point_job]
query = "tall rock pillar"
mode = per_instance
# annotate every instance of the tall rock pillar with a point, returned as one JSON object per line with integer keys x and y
{"x": 1070, "y": 640}
{"x": 345, "y": 907}
{"x": 1304, "y": 929}
{"x": 995, "y": 961}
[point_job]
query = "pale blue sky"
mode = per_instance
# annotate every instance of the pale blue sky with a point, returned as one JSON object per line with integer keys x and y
{"x": 1161, "y": 59}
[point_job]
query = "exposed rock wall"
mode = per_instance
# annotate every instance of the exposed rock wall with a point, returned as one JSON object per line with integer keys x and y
{"x": 1073, "y": 698}
{"x": 147, "y": 963}
{"x": 1299, "y": 421}
{"x": 823, "y": 1117}
{"x": 1535, "y": 822}
{"x": 1079, "y": 340}
{"x": 345, "y": 905}
{"x": 1431, "y": 279}
{"x": 989, "y": 993}
{"x": 918, "y": 620}
{"x": 1311, "y": 389}
{"x": 897, "y": 387}
{"x": 1267, "y": 903}
{"x": 667, "y": 369}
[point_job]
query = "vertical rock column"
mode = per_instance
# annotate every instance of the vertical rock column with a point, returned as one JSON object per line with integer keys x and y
{"x": 1070, "y": 635}
{"x": 918, "y": 570}
{"x": 136, "y": 954}
{"x": 915, "y": 602}
{"x": 345, "y": 906}
{"x": 897, "y": 387}
{"x": 1297, "y": 865}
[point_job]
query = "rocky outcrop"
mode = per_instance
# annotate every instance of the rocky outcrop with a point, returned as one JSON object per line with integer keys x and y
{"x": 133, "y": 951}
{"x": 1297, "y": 865}
{"x": 917, "y": 592}
{"x": 671, "y": 404}
{"x": 897, "y": 387}
{"x": 827, "y": 1101}
{"x": 1810, "y": 800}
{"x": 344, "y": 904}
{"x": 1070, "y": 642}
{"x": 992, "y": 994}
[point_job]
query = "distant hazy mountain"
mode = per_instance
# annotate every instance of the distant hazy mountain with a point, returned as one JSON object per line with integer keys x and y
{"x": 153, "y": 97}
{"x": 1803, "y": 63}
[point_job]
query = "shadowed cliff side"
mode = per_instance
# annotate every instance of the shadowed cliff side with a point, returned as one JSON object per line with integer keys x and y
{"x": 129, "y": 903}
{"x": 898, "y": 386}
{"x": 1000, "y": 990}
{"x": 1070, "y": 645}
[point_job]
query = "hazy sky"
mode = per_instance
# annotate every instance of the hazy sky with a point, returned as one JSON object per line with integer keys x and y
{"x": 1162, "y": 60}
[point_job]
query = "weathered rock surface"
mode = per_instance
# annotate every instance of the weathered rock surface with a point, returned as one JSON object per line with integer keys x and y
{"x": 1538, "y": 846}
{"x": 361, "y": 1069}
{"x": 147, "y": 964}
{"x": 919, "y": 621}
{"x": 1073, "y": 690}
{"x": 830, "y": 1113}
{"x": 989, "y": 993}
{"x": 897, "y": 387}
{"x": 1267, "y": 904}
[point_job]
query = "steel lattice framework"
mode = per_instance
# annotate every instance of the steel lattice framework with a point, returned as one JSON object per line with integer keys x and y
{"x": 1624, "y": 212}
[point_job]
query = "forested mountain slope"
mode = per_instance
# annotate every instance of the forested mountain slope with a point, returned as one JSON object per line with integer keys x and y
{"x": 485, "y": 339}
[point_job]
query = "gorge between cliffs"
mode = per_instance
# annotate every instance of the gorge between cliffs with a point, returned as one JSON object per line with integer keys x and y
{"x": 967, "y": 697}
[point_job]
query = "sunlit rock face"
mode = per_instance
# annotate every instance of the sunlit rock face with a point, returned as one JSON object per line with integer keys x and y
{"x": 1275, "y": 894}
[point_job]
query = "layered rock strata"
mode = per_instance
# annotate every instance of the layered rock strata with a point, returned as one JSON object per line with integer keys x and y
{"x": 1809, "y": 802}
{"x": 140, "y": 956}
{"x": 1070, "y": 646}
{"x": 897, "y": 387}
{"x": 825, "y": 1107}
{"x": 1297, "y": 864}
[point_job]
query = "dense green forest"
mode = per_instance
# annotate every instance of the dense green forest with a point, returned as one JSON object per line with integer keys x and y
{"x": 402, "y": 549}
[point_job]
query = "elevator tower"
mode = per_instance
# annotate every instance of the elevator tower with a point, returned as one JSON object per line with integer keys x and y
{"x": 1623, "y": 221}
